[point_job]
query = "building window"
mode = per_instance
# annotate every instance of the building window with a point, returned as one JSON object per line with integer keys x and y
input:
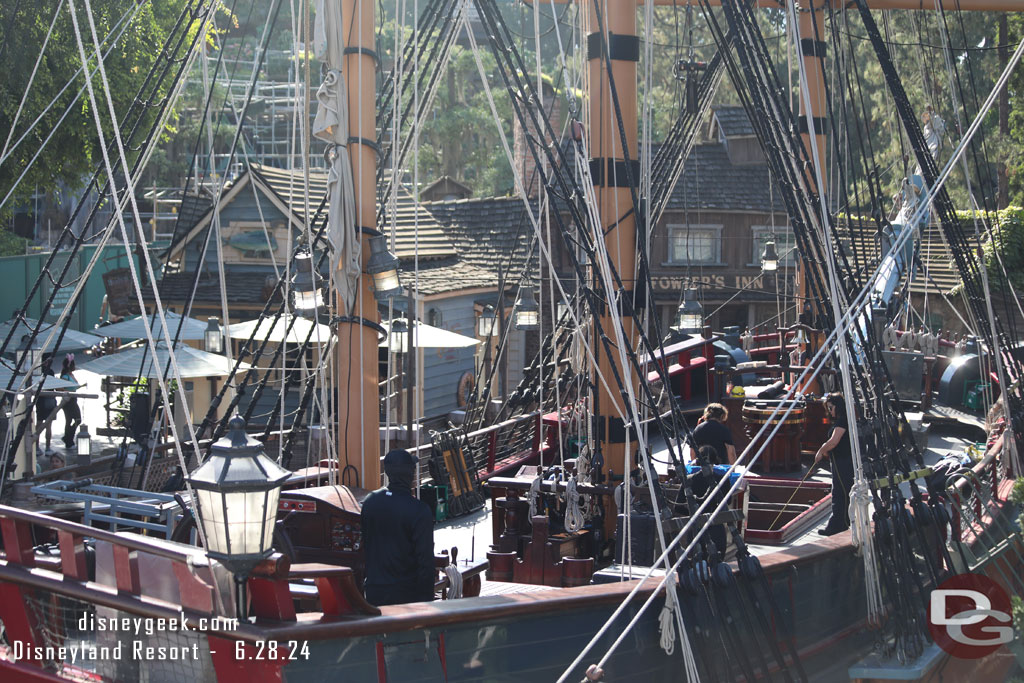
{"x": 693, "y": 244}
{"x": 434, "y": 317}
{"x": 785, "y": 244}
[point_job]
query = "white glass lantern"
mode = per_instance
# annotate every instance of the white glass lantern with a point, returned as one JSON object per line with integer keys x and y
{"x": 770, "y": 257}
{"x": 83, "y": 443}
{"x": 214, "y": 336}
{"x": 398, "y": 338}
{"x": 486, "y": 324}
{"x": 690, "y": 318}
{"x": 383, "y": 266}
{"x": 306, "y": 296}
{"x": 237, "y": 488}
{"x": 527, "y": 310}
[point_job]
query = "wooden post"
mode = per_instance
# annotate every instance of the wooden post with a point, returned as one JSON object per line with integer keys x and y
{"x": 611, "y": 187}
{"x": 358, "y": 423}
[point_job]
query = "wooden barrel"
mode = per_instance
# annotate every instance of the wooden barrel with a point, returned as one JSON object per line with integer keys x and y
{"x": 783, "y": 452}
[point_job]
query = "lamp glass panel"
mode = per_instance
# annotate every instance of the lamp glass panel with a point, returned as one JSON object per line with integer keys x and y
{"x": 214, "y": 341}
{"x": 270, "y": 516}
{"x": 690, "y": 321}
{"x": 386, "y": 281}
{"x": 243, "y": 534}
{"x": 308, "y": 301}
{"x": 84, "y": 444}
{"x": 211, "y": 512}
{"x": 527, "y": 318}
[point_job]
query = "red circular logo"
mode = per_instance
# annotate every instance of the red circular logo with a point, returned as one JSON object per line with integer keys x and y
{"x": 970, "y": 616}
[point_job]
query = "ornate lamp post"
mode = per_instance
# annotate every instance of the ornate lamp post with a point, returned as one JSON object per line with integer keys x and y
{"x": 236, "y": 489}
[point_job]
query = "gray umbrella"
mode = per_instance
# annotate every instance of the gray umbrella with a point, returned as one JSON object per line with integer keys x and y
{"x": 135, "y": 328}
{"x": 191, "y": 363}
{"x": 72, "y": 340}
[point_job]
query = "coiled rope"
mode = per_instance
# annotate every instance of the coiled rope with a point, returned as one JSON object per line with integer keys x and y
{"x": 573, "y": 512}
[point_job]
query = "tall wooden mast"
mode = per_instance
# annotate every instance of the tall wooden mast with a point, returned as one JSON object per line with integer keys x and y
{"x": 617, "y": 22}
{"x": 356, "y": 374}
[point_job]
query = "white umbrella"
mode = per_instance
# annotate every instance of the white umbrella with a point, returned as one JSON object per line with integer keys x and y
{"x": 266, "y": 330}
{"x": 426, "y": 337}
{"x": 135, "y": 328}
{"x": 191, "y": 363}
{"x": 331, "y": 124}
{"x": 72, "y": 340}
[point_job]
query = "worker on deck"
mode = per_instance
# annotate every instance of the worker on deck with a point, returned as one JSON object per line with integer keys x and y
{"x": 398, "y": 537}
{"x": 712, "y": 432}
{"x": 838, "y": 449}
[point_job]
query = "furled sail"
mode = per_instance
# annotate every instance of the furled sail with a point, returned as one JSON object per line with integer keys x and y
{"x": 331, "y": 124}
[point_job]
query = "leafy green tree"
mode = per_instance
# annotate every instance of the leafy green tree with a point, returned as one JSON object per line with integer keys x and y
{"x": 73, "y": 151}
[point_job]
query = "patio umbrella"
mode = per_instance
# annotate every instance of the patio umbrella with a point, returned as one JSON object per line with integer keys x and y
{"x": 49, "y": 383}
{"x": 135, "y": 328}
{"x": 275, "y": 332}
{"x": 331, "y": 124}
{"x": 426, "y": 337}
{"x": 191, "y": 363}
{"x": 73, "y": 339}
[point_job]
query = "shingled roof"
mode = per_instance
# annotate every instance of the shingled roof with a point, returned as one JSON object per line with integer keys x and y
{"x": 731, "y": 121}
{"x": 492, "y": 233}
{"x": 711, "y": 181}
{"x": 417, "y": 234}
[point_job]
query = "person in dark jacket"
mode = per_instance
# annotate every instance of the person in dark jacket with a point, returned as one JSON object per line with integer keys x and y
{"x": 712, "y": 431}
{"x": 398, "y": 537}
{"x": 837, "y": 448}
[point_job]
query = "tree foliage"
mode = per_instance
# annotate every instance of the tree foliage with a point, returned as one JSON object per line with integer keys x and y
{"x": 73, "y": 151}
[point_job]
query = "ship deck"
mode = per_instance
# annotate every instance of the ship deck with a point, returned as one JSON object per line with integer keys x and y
{"x": 939, "y": 431}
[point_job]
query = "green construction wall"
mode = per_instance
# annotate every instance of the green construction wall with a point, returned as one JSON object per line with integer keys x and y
{"x": 18, "y": 274}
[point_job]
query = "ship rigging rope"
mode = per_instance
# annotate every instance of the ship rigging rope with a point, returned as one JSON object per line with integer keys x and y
{"x": 177, "y": 38}
{"x": 510, "y": 73}
{"x": 135, "y": 212}
{"x": 860, "y": 504}
{"x": 971, "y": 272}
{"x": 775, "y": 420}
{"x": 789, "y": 157}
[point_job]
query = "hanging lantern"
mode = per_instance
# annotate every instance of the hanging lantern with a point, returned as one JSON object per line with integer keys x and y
{"x": 383, "y": 266}
{"x": 690, "y": 318}
{"x": 398, "y": 337}
{"x": 237, "y": 488}
{"x": 214, "y": 336}
{"x": 306, "y": 295}
{"x": 83, "y": 444}
{"x": 486, "y": 324}
{"x": 527, "y": 310}
{"x": 769, "y": 257}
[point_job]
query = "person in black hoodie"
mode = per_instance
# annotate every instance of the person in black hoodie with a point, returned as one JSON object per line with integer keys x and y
{"x": 837, "y": 448}
{"x": 398, "y": 537}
